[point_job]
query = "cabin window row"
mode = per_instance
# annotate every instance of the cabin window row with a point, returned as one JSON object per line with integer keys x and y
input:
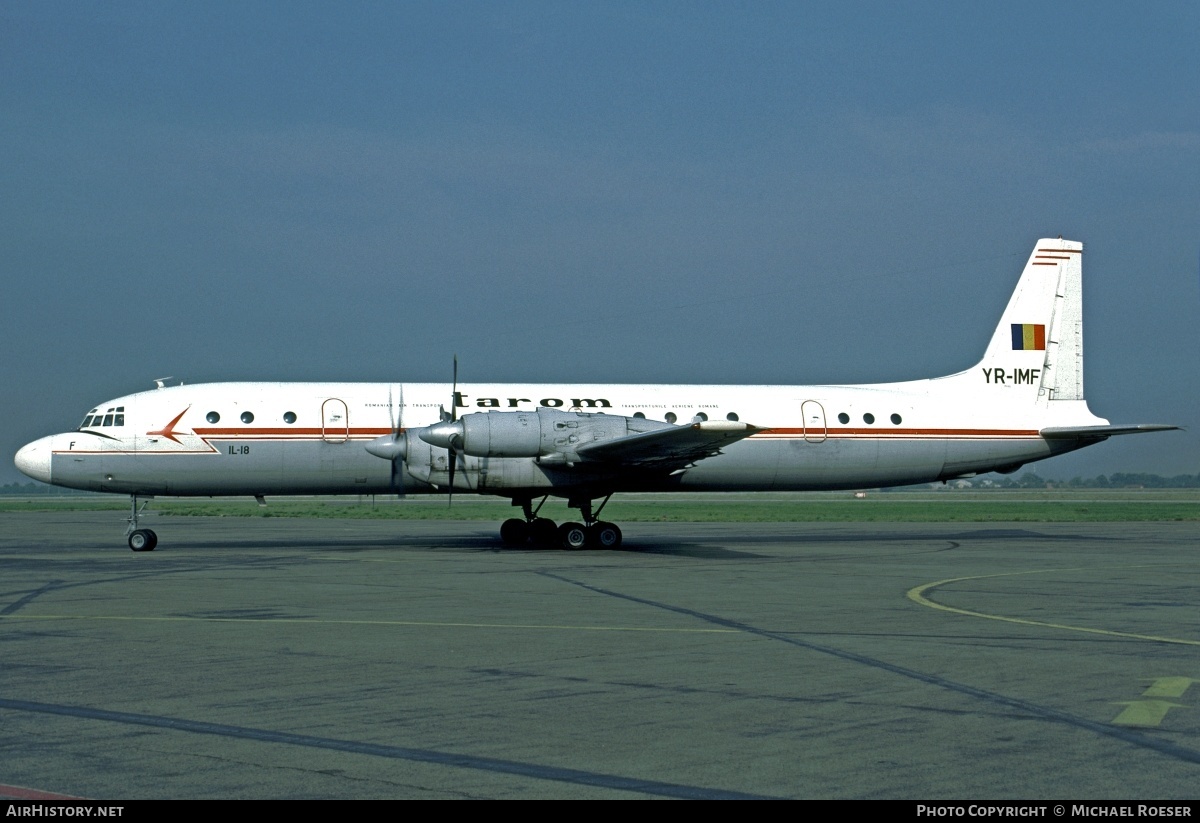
{"x": 116, "y": 417}
{"x": 699, "y": 417}
{"x": 247, "y": 417}
{"x": 112, "y": 416}
{"x": 869, "y": 419}
{"x": 214, "y": 417}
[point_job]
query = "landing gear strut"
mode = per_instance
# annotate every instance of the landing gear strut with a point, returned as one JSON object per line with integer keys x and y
{"x": 140, "y": 540}
{"x": 541, "y": 532}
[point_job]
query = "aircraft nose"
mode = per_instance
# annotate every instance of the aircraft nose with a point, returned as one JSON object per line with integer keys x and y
{"x": 34, "y": 459}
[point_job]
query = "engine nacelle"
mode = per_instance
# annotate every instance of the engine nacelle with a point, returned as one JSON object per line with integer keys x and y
{"x": 502, "y": 434}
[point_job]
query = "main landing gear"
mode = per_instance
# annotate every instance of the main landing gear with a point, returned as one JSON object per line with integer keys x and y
{"x": 140, "y": 540}
{"x": 542, "y": 533}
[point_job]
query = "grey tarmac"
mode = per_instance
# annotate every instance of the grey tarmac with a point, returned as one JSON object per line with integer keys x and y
{"x": 290, "y": 658}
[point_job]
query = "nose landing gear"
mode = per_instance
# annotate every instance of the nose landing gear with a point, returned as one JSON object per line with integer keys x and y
{"x": 140, "y": 540}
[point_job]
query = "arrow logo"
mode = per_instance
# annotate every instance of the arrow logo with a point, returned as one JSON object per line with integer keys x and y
{"x": 168, "y": 431}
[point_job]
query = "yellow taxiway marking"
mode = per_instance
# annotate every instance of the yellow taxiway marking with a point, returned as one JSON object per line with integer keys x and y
{"x": 1143, "y": 712}
{"x": 1152, "y": 711}
{"x": 1168, "y": 687}
{"x": 917, "y": 595}
{"x": 411, "y": 623}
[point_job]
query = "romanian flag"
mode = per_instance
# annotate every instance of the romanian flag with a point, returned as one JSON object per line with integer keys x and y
{"x": 1029, "y": 337}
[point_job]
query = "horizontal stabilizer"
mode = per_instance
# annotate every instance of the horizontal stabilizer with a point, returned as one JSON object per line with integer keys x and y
{"x": 1076, "y": 432}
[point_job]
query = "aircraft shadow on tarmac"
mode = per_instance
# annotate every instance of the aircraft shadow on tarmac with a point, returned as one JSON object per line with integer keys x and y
{"x": 472, "y": 543}
{"x": 719, "y": 545}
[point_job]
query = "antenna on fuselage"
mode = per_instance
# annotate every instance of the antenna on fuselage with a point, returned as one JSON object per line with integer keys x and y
{"x": 161, "y": 382}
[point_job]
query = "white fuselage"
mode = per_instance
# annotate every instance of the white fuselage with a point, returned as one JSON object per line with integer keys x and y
{"x": 304, "y": 438}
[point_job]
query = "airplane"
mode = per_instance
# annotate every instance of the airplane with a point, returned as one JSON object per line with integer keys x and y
{"x": 1022, "y": 402}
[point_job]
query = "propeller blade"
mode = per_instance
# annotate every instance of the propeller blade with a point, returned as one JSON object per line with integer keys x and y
{"x": 453, "y": 418}
{"x": 397, "y": 429}
{"x": 397, "y": 483}
{"x": 454, "y": 393}
{"x": 391, "y": 412}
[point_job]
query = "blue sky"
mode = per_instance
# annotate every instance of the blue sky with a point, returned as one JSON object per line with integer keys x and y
{"x": 608, "y": 192}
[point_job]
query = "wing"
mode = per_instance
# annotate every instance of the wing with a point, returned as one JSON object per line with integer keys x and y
{"x": 667, "y": 448}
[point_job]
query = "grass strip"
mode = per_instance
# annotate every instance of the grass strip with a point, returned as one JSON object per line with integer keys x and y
{"x": 912, "y": 507}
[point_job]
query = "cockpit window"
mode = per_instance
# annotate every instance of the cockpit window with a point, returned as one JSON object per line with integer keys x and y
{"x": 113, "y": 416}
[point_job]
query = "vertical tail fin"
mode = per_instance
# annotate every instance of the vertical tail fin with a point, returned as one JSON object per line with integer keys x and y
{"x": 1039, "y": 342}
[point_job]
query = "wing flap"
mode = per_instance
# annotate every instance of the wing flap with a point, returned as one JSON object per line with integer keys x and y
{"x": 671, "y": 447}
{"x": 1101, "y": 432}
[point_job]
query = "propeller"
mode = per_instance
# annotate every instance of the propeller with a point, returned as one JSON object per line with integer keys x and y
{"x": 394, "y": 446}
{"x": 447, "y": 434}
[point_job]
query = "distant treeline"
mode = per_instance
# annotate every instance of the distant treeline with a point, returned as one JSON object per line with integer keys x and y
{"x": 1117, "y": 480}
{"x": 1031, "y": 480}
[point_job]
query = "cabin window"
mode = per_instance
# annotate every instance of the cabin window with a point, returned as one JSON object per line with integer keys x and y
{"x": 843, "y": 418}
{"x": 289, "y": 417}
{"x": 732, "y": 416}
{"x": 700, "y": 416}
{"x": 213, "y": 417}
{"x": 896, "y": 420}
{"x": 640, "y": 415}
{"x": 670, "y": 417}
{"x": 868, "y": 418}
{"x": 247, "y": 417}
